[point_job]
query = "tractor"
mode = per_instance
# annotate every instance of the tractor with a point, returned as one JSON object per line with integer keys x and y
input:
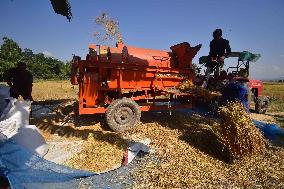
{"x": 241, "y": 70}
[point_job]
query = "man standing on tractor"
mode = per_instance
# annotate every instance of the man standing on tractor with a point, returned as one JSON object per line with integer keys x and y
{"x": 219, "y": 49}
{"x": 20, "y": 81}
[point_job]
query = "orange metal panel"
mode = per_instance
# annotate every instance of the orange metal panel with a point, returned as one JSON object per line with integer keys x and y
{"x": 95, "y": 110}
{"x": 100, "y": 110}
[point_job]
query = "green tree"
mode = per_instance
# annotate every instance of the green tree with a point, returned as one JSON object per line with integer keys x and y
{"x": 41, "y": 67}
{"x": 10, "y": 54}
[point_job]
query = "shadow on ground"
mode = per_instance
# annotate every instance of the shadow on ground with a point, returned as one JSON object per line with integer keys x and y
{"x": 65, "y": 122}
{"x": 196, "y": 130}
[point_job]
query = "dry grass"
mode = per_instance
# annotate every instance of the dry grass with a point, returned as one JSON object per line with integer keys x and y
{"x": 275, "y": 91}
{"x": 54, "y": 90}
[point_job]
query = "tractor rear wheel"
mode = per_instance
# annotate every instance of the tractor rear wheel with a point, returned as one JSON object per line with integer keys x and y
{"x": 261, "y": 104}
{"x": 250, "y": 97}
{"x": 122, "y": 114}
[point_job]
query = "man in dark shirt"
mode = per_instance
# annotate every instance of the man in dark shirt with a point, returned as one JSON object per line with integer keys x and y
{"x": 219, "y": 49}
{"x": 20, "y": 81}
{"x": 237, "y": 90}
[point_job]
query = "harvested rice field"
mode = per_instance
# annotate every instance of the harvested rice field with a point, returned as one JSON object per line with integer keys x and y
{"x": 54, "y": 90}
{"x": 187, "y": 149}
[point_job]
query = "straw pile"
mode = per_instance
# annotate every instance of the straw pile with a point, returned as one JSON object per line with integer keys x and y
{"x": 179, "y": 164}
{"x": 186, "y": 85}
{"x": 99, "y": 154}
{"x": 185, "y": 160}
{"x": 202, "y": 96}
{"x": 238, "y": 133}
{"x": 101, "y": 150}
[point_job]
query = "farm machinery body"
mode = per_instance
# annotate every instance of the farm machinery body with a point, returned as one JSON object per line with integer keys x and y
{"x": 122, "y": 81}
{"x": 238, "y": 72}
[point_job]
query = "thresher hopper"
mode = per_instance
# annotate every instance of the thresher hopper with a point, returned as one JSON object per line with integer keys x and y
{"x": 122, "y": 81}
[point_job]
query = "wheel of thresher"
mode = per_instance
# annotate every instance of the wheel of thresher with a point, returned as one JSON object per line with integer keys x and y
{"x": 123, "y": 114}
{"x": 261, "y": 104}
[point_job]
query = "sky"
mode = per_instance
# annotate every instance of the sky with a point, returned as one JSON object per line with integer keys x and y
{"x": 251, "y": 25}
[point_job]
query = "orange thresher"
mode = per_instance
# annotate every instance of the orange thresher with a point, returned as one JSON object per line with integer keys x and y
{"x": 122, "y": 81}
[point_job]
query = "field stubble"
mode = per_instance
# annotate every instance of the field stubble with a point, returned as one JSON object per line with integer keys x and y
{"x": 275, "y": 92}
{"x": 54, "y": 90}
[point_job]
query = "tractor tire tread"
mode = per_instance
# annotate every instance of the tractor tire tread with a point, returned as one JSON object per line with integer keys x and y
{"x": 258, "y": 105}
{"x": 114, "y": 106}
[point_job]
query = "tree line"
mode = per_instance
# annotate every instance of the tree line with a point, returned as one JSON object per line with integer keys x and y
{"x": 39, "y": 65}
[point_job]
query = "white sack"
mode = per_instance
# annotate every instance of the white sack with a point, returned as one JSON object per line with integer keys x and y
{"x": 29, "y": 136}
{"x": 18, "y": 111}
{"x": 14, "y": 123}
{"x": 8, "y": 128}
{"x": 134, "y": 148}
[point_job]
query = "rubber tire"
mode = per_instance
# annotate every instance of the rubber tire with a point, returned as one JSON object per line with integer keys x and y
{"x": 250, "y": 97}
{"x": 114, "y": 114}
{"x": 261, "y": 105}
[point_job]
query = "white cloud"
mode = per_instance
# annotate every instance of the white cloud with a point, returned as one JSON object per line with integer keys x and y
{"x": 47, "y": 54}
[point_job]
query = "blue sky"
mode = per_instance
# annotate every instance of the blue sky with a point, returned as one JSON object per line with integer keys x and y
{"x": 253, "y": 25}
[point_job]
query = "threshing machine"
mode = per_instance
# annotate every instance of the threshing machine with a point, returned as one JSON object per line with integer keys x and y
{"x": 122, "y": 81}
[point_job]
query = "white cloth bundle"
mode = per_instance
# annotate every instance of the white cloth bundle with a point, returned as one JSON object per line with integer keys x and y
{"x": 14, "y": 123}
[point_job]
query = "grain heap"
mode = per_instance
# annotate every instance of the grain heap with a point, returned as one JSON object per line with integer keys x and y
{"x": 238, "y": 133}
